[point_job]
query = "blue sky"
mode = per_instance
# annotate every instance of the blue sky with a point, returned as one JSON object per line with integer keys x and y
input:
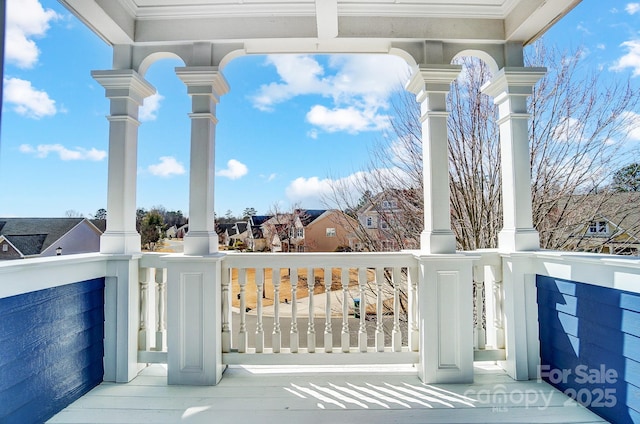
{"x": 289, "y": 125}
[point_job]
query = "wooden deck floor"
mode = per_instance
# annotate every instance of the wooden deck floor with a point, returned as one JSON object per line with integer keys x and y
{"x": 325, "y": 395}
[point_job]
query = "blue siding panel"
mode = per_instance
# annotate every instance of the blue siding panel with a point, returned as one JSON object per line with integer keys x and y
{"x": 51, "y": 349}
{"x": 592, "y": 333}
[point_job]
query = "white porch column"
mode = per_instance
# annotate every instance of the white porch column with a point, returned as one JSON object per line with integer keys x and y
{"x": 510, "y": 88}
{"x": 431, "y": 85}
{"x": 445, "y": 302}
{"x": 121, "y": 319}
{"x": 194, "y": 320}
{"x": 126, "y": 90}
{"x": 205, "y": 85}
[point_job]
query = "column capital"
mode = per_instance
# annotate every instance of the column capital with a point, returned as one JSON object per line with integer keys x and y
{"x": 433, "y": 78}
{"x": 513, "y": 81}
{"x": 203, "y": 80}
{"x": 124, "y": 83}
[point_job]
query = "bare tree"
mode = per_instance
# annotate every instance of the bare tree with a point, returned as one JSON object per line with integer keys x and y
{"x": 577, "y": 131}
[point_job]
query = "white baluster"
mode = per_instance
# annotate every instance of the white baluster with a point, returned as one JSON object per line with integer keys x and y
{"x": 311, "y": 328}
{"x": 345, "y": 339}
{"x": 362, "y": 329}
{"x": 396, "y": 334}
{"x": 380, "y": 279}
{"x": 161, "y": 309}
{"x": 498, "y": 303}
{"x": 414, "y": 330}
{"x": 276, "y": 337}
{"x": 259, "y": 325}
{"x": 479, "y": 331}
{"x": 328, "y": 335}
{"x": 143, "y": 276}
{"x": 294, "y": 336}
{"x": 226, "y": 307}
{"x": 243, "y": 334}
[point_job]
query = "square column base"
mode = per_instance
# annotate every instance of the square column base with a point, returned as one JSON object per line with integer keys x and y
{"x": 120, "y": 242}
{"x": 518, "y": 240}
{"x": 200, "y": 243}
{"x": 438, "y": 241}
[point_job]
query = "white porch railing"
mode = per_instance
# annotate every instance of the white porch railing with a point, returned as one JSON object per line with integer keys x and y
{"x": 333, "y": 303}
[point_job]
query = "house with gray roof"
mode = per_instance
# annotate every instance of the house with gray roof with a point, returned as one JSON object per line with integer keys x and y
{"x": 22, "y": 238}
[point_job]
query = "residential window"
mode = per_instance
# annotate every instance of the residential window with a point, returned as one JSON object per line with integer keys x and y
{"x": 598, "y": 227}
{"x": 389, "y": 204}
{"x": 300, "y": 233}
{"x": 369, "y": 222}
{"x": 5, "y": 247}
{"x": 331, "y": 232}
{"x": 383, "y": 224}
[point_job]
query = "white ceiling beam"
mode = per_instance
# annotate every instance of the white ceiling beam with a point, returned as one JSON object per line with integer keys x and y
{"x": 531, "y": 18}
{"x": 113, "y": 26}
{"x": 327, "y": 18}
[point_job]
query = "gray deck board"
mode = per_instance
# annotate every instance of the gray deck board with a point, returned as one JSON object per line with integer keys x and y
{"x": 279, "y": 395}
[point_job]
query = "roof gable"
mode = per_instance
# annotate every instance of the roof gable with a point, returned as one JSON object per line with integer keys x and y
{"x": 37, "y": 233}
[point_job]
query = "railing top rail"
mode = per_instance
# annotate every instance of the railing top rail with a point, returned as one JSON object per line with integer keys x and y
{"x": 320, "y": 260}
{"x": 25, "y": 275}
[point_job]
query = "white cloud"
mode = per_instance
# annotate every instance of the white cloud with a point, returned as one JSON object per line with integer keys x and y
{"x": 631, "y": 59}
{"x": 631, "y": 122}
{"x": 269, "y": 177}
{"x": 632, "y": 8}
{"x": 359, "y": 87}
{"x": 308, "y": 190}
{"x": 314, "y": 191}
{"x": 568, "y": 129}
{"x": 235, "y": 169}
{"x": 167, "y": 167}
{"x": 26, "y": 100}
{"x": 150, "y": 107}
{"x": 79, "y": 153}
{"x": 348, "y": 119}
{"x": 26, "y": 19}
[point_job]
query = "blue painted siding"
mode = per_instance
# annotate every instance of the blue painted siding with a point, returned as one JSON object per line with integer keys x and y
{"x": 51, "y": 349}
{"x": 592, "y": 334}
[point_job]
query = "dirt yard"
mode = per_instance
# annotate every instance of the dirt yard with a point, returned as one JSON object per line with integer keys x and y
{"x": 251, "y": 293}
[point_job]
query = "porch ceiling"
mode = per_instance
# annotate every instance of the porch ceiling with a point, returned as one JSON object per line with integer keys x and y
{"x": 237, "y": 21}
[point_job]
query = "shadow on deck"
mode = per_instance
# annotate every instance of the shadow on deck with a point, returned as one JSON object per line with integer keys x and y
{"x": 325, "y": 394}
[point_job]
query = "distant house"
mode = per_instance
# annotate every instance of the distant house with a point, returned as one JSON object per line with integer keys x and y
{"x": 330, "y": 231}
{"x": 308, "y": 230}
{"x": 385, "y": 217}
{"x": 605, "y": 223}
{"x": 22, "y": 238}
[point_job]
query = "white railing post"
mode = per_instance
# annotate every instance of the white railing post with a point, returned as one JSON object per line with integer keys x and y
{"x": 194, "y": 311}
{"x": 362, "y": 329}
{"x": 328, "y": 335}
{"x": 345, "y": 339}
{"x": 161, "y": 308}
{"x": 495, "y": 307}
{"x": 396, "y": 334}
{"x": 122, "y": 319}
{"x": 446, "y": 318}
{"x": 380, "y": 277}
{"x": 243, "y": 336}
{"x": 259, "y": 324}
{"x": 276, "y": 337}
{"x": 311, "y": 328}
{"x": 226, "y": 309}
{"x": 414, "y": 329}
{"x": 479, "y": 286}
{"x": 294, "y": 342}
{"x": 143, "y": 276}
{"x": 521, "y": 316}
